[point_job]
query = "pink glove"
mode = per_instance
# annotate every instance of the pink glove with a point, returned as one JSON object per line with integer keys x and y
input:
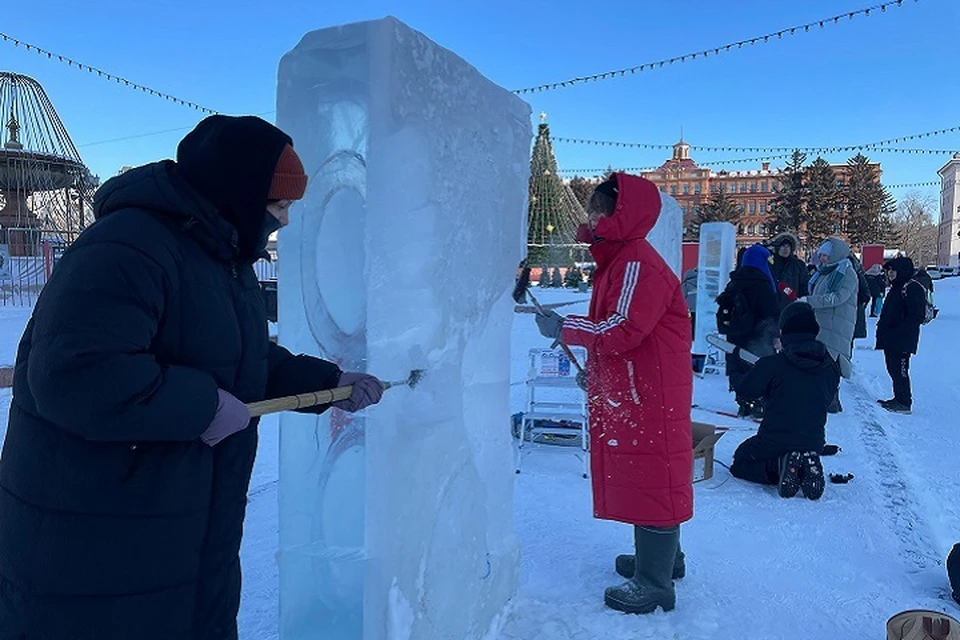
{"x": 232, "y": 416}
{"x": 367, "y": 390}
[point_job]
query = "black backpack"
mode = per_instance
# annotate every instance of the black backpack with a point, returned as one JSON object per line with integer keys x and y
{"x": 734, "y": 316}
{"x": 930, "y": 310}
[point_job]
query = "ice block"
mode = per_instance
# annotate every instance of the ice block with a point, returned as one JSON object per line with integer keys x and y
{"x": 718, "y": 248}
{"x": 397, "y": 523}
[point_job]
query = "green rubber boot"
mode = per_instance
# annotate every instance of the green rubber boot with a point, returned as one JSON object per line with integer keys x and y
{"x": 627, "y": 565}
{"x": 651, "y": 586}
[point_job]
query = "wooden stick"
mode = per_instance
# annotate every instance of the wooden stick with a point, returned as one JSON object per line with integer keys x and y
{"x": 302, "y": 401}
{"x": 315, "y": 398}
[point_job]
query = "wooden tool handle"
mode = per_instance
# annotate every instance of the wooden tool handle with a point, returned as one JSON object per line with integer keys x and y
{"x": 292, "y": 403}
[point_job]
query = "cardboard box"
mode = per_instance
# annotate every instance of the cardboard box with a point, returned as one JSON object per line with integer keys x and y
{"x": 705, "y": 436}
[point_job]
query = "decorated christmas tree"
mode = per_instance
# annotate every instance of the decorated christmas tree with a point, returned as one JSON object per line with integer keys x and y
{"x": 554, "y": 210}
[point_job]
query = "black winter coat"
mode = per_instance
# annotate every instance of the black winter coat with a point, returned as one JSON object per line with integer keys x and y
{"x": 116, "y": 521}
{"x": 797, "y": 385}
{"x": 898, "y": 329}
{"x": 757, "y": 330}
{"x": 877, "y": 285}
{"x": 790, "y": 272}
{"x": 863, "y": 299}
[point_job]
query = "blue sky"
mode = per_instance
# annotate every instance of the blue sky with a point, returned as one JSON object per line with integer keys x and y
{"x": 872, "y": 78}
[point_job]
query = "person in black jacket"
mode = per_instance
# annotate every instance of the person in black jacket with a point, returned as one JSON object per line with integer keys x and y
{"x": 953, "y": 571}
{"x": 878, "y": 286}
{"x": 898, "y": 330}
{"x": 788, "y": 270}
{"x": 129, "y": 446}
{"x": 747, "y": 315}
{"x": 797, "y": 386}
{"x": 863, "y": 298}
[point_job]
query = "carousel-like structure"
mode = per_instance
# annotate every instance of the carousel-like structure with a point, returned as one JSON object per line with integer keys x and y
{"x": 45, "y": 189}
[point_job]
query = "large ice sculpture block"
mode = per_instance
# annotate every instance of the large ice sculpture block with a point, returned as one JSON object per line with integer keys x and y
{"x": 718, "y": 248}
{"x": 397, "y": 523}
{"x": 667, "y": 235}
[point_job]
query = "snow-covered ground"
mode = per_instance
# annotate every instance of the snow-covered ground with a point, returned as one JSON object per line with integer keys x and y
{"x": 757, "y": 566}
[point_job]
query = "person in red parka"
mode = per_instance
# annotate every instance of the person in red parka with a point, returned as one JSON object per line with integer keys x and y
{"x": 640, "y": 388}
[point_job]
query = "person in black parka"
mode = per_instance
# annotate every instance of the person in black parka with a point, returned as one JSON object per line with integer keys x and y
{"x": 953, "y": 571}
{"x": 788, "y": 271}
{"x": 863, "y": 298}
{"x": 129, "y": 448}
{"x": 747, "y": 314}
{"x": 878, "y": 287}
{"x": 898, "y": 329}
{"x": 797, "y": 386}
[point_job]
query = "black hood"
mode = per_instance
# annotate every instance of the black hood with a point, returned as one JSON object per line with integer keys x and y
{"x": 805, "y": 352}
{"x": 904, "y": 268}
{"x": 159, "y": 188}
{"x": 750, "y": 274}
{"x": 224, "y": 169}
{"x": 230, "y": 161}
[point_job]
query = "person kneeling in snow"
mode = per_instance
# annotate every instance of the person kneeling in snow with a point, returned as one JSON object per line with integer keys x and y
{"x": 797, "y": 385}
{"x": 640, "y": 388}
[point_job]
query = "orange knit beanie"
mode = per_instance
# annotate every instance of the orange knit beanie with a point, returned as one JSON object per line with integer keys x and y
{"x": 289, "y": 180}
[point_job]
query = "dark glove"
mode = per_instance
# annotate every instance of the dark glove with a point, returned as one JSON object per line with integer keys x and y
{"x": 367, "y": 390}
{"x": 582, "y": 380}
{"x": 231, "y": 416}
{"x": 550, "y": 324}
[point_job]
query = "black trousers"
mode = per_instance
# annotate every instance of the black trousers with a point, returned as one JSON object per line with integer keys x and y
{"x": 898, "y": 366}
{"x": 758, "y": 460}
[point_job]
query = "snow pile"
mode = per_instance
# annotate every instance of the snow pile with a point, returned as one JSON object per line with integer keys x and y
{"x": 398, "y": 523}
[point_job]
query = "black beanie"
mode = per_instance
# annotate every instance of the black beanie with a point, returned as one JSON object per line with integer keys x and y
{"x": 798, "y": 317}
{"x": 608, "y": 187}
{"x": 230, "y": 161}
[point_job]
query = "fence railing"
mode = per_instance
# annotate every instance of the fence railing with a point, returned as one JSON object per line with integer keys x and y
{"x": 22, "y": 277}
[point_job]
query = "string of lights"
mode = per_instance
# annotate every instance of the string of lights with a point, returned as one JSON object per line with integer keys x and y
{"x": 912, "y": 185}
{"x": 70, "y": 62}
{"x": 649, "y": 66}
{"x": 836, "y": 149}
{"x": 645, "y": 169}
{"x": 715, "y": 51}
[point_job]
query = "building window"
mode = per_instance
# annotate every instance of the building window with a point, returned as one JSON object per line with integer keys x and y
{"x": 753, "y": 207}
{"x": 673, "y": 191}
{"x": 763, "y": 186}
{"x": 750, "y": 229}
{"x": 696, "y": 189}
{"x": 763, "y": 207}
{"x": 713, "y": 188}
{"x": 743, "y": 187}
{"x": 753, "y": 187}
{"x": 686, "y": 189}
{"x": 761, "y": 228}
{"x": 740, "y": 229}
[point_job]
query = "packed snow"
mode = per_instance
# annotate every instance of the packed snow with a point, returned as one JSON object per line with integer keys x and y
{"x": 839, "y": 567}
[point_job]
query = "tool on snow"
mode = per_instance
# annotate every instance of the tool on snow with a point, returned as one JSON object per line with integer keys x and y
{"x": 728, "y": 347}
{"x": 327, "y": 396}
{"x": 841, "y": 478}
{"x": 520, "y": 291}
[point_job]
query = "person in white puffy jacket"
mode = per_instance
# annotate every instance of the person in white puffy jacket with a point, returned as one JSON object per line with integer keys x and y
{"x": 833, "y": 296}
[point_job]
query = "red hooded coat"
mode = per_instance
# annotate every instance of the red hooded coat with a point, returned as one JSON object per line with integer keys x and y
{"x": 638, "y": 370}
